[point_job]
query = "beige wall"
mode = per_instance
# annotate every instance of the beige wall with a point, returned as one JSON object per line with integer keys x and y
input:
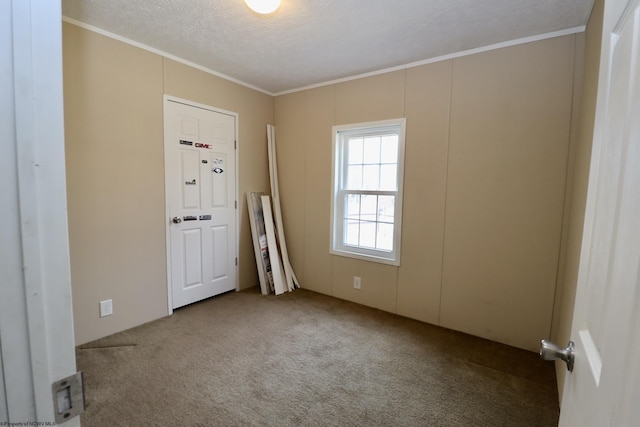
{"x": 486, "y": 158}
{"x": 486, "y": 161}
{"x": 510, "y": 123}
{"x": 115, "y": 173}
{"x": 580, "y": 159}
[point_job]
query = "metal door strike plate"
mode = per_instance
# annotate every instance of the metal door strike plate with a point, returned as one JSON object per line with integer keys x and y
{"x": 68, "y": 397}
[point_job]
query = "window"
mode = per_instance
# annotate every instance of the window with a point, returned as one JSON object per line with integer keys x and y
{"x": 366, "y": 209}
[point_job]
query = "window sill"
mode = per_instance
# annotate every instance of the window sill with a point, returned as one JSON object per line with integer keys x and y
{"x": 363, "y": 257}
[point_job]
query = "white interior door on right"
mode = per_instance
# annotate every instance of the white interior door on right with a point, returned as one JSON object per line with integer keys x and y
{"x": 604, "y": 387}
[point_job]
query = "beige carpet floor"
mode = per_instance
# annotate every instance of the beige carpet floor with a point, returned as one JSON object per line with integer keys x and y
{"x": 305, "y": 359}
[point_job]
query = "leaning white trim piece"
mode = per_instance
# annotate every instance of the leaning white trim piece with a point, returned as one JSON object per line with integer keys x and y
{"x": 255, "y": 237}
{"x": 260, "y": 246}
{"x": 274, "y": 255}
{"x": 292, "y": 280}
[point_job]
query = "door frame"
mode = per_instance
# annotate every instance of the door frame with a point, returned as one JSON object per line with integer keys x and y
{"x": 36, "y": 315}
{"x": 169, "y": 98}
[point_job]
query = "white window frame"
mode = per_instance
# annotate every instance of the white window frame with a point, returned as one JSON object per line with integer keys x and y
{"x": 339, "y": 162}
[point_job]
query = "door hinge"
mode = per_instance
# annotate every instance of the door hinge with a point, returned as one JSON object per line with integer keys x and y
{"x": 236, "y": 204}
{"x": 235, "y": 145}
{"x": 68, "y": 397}
{"x": 236, "y": 261}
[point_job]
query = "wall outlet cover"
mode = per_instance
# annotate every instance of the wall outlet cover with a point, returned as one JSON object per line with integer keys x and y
{"x": 106, "y": 308}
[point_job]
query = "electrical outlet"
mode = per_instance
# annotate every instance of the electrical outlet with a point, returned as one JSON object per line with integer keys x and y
{"x": 106, "y": 308}
{"x": 357, "y": 282}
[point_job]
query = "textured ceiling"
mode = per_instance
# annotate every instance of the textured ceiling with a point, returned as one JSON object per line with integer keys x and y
{"x": 308, "y": 42}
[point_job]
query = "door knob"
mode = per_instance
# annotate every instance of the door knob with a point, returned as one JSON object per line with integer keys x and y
{"x": 176, "y": 220}
{"x": 551, "y": 351}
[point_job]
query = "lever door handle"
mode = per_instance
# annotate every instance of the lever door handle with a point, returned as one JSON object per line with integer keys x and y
{"x": 551, "y": 351}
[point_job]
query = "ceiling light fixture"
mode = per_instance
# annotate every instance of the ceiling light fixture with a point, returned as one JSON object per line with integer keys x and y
{"x": 263, "y": 7}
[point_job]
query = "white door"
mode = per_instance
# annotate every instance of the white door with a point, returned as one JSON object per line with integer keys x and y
{"x": 200, "y": 171}
{"x": 604, "y": 387}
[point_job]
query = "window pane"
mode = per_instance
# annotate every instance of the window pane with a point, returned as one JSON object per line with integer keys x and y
{"x": 368, "y": 234}
{"x": 351, "y": 232}
{"x": 385, "y": 237}
{"x": 389, "y": 149}
{"x": 353, "y": 206}
{"x": 369, "y": 207}
{"x": 388, "y": 177}
{"x": 386, "y": 208}
{"x": 372, "y": 150}
{"x": 354, "y": 177}
{"x": 371, "y": 177}
{"x": 355, "y": 151}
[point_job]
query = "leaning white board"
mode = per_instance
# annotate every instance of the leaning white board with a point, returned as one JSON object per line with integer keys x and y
{"x": 292, "y": 280}
{"x": 260, "y": 247}
{"x": 274, "y": 255}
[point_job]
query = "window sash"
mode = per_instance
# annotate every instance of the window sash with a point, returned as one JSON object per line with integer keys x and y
{"x": 383, "y": 244}
{"x": 380, "y": 222}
